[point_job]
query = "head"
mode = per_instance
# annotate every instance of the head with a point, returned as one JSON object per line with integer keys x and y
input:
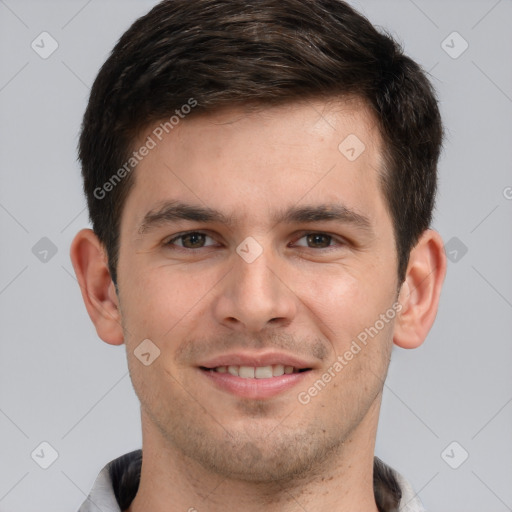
{"x": 294, "y": 132}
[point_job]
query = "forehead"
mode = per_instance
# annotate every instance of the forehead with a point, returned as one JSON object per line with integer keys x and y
{"x": 252, "y": 163}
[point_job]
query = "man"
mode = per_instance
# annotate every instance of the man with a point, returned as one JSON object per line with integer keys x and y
{"x": 260, "y": 177}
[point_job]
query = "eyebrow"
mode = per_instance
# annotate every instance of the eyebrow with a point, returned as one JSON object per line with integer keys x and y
{"x": 172, "y": 211}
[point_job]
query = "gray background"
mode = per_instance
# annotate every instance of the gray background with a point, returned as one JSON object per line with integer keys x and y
{"x": 60, "y": 384}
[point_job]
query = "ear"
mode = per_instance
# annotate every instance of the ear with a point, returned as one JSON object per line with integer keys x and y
{"x": 420, "y": 291}
{"x": 98, "y": 291}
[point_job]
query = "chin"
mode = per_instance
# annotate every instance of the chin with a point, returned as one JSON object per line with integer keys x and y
{"x": 273, "y": 458}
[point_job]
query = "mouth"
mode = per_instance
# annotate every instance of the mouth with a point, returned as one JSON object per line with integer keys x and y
{"x": 256, "y": 372}
{"x": 255, "y": 376}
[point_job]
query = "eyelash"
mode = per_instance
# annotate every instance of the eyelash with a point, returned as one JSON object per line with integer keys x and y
{"x": 169, "y": 243}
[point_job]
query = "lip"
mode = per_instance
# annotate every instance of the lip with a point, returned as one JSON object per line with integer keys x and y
{"x": 256, "y": 389}
{"x": 257, "y": 359}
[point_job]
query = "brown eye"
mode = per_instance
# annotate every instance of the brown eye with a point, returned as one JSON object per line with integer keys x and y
{"x": 315, "y": 241}
{"x": 191, "y": 240}
{"x": 318, "y": 240}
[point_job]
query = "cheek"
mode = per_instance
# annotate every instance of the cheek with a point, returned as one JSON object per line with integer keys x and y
{"x": 159, "y": 299}
{"x": 345, "y": 302}
{"x": 348, "y": 311}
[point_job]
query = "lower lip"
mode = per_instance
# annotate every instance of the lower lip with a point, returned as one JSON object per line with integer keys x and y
{"x": 254, "y": 388}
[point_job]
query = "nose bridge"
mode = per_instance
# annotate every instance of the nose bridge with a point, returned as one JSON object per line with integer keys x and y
{"x": 256, "y": 280}
{"x": 254, "y": 295}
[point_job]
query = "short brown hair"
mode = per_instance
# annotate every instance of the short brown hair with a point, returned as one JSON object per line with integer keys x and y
{"x": 225, "y": 52}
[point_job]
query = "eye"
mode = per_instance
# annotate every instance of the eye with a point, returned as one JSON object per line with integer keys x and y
{"x": 190, "y": 240}
{"x": 316, "y": 241}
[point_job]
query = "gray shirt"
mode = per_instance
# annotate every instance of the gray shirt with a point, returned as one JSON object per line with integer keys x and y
{"x": 102, "y": 497}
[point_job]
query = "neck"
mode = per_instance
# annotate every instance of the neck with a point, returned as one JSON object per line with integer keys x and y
{"x": 342, "y": 482}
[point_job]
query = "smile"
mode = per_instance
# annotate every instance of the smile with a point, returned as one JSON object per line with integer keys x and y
{"x": 255, "y": 382}
{"x": 258, "y": 372}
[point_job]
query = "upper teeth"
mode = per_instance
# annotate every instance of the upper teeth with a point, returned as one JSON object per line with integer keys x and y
{"x": 259, "y": 372}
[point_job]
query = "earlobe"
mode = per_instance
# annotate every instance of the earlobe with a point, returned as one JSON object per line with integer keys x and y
{"x": 421, "y": 290}
{"x": 98, "y": 291}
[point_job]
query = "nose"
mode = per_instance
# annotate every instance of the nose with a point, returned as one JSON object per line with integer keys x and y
{"x": 254, "y": 296}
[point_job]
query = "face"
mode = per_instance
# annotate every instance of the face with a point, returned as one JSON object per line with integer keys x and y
{"x": 255, "y": 252}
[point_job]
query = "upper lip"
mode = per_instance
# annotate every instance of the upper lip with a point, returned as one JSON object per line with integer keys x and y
{"x": 256, "y": 359}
